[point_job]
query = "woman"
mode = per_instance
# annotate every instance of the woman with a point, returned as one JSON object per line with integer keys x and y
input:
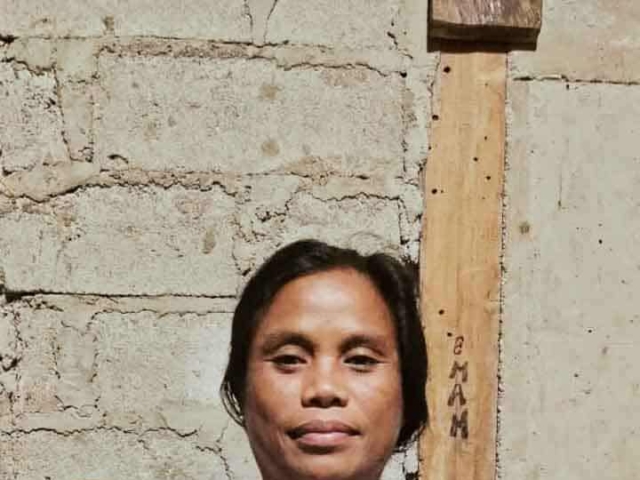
{"x": 328, "y": 365}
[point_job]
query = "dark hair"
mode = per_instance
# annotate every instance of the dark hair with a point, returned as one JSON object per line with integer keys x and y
{"x": 396, "y": 283}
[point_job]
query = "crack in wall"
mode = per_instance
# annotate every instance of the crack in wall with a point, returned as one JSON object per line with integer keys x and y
{"x": 65, "y": 127}
{"x": 266, "y": 23}
{"x": 100, "y": 428}
{"x": 38, "y": 71}
{"x": 20, "y": 346}
{"x": 20, "y": 295}
{"x": 574, "y": 80}
{"x": 162, "y": 306}
{"x": 7, "y": 39}
{"x": 284, "y": 55}
{"x": 247, "y": 10}
{"x": 219, "y": 452}
{"x": 230, "y": 184}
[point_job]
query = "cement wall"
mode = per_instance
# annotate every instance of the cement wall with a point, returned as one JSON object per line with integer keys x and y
{"x": 571, "y": 310}
{"x": 153, "y": 153}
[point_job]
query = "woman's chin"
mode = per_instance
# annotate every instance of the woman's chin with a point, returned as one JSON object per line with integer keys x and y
{"x": 339, "y": 465}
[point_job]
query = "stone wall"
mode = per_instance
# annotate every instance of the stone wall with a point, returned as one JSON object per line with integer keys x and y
{"x": 153, "y": 153}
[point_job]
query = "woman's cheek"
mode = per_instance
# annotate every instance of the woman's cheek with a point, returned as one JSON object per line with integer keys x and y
{"x": 379, "y": 396}
{"x": 276, "y": 392}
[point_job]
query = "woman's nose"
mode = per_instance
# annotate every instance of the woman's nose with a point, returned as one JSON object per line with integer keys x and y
{"x": 324, "y": 387}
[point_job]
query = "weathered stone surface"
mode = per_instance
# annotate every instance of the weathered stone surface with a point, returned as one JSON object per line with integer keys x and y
{"x": 42, "y": 181}
{"x": 36, "y": 53}
{"x": 585, "y": 39}
{"x": 109, "y": 366}
{"x": 241, "y": 116}
{"x": 123, "y": 241}
{"x": 54, "y": 374}
{"x": 179, "y": 241}
{"x": 81, "y": 364}
{"x": 76, "y": 66}
{"x": 52, "y": 367}
{"x": 272, "y": 217}
{"x": 220, "y": 20}
{"x": 106, "y": 454}
{"x": 77, "y": 60}
{"x": 355, "y": 24}
{"x": 408, "y": 198}
{"x": 10, "y": 355}
{"x": 162, "y": 372}
{"x": 30, "y": 119}
{"x": 51, "y": 18}
{"x": 155, "y": 241}
{"x": 571, "y": 322}
{"x": 417, "y": 118}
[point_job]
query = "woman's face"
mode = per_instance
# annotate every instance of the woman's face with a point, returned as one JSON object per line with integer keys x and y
{"x": 324, "y": 396}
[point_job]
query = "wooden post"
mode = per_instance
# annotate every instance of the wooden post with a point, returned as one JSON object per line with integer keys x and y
{"x": 461, "y": 237}
{"x": 460, "y": 261}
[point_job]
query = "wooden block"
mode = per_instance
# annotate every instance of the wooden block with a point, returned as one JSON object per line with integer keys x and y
{"x": 460, "y": 266}
{"x": 505, "y": 21}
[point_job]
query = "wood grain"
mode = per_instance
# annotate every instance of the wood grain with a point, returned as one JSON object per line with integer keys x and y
{"x": 508, "y": 21}
{"x": 460, "y": 266}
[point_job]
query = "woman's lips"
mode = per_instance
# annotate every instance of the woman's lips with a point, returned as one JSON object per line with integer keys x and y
{"x": 321, "y": 434}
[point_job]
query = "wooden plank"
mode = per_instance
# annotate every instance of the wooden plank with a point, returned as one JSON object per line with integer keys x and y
{"x": 509, "y": 21}
{"x": 460, "y": 266}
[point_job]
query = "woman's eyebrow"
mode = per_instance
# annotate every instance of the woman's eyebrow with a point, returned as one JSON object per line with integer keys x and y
{"x": 377, "y": 343}
{"x": 273, "y": 341}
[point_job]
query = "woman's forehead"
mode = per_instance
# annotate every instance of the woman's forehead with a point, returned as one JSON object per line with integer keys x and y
{"x": 337, "y": 302}
{"x": 327, "y": 289}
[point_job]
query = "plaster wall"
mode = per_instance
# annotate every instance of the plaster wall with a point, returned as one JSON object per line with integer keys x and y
{"x": 153, "y": 153}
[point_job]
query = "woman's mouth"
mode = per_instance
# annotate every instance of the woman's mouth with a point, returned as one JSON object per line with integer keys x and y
{"x": 322, "y": 436}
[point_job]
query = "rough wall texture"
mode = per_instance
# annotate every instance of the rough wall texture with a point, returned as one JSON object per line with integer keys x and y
{"x": 571, "y": 313}
{"x": 153, "y": 153}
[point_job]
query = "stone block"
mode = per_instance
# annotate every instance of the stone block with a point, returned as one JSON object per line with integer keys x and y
{"x": 50, "y": 18}
{"x": 36, "y": 53}
{"x": 226, "y": 20}
{"x": 42, "y": 182}
{"x": 75, "y": 68}
{"x": 123, "y": 241}
{"x": 368, "y": 222}
{"x": 335, "y": 23}
{"x": 570, "y": 289}
{"x": 156, "y": 372}
{"x": 585, "y": 40}
{"x": 149, "y": 240}
{"x": 240, "y": 116}
{"x": 54, "y": 369}
{"x": 107, "y": 454}
{"x": 10, "y": 355}
{"x": 96, "y": 363}
{"x": 30, "y": 119}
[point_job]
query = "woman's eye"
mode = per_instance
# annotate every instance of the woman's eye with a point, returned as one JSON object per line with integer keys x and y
{"x": 288, "y": 360}
{"x": 362, "y": 361}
